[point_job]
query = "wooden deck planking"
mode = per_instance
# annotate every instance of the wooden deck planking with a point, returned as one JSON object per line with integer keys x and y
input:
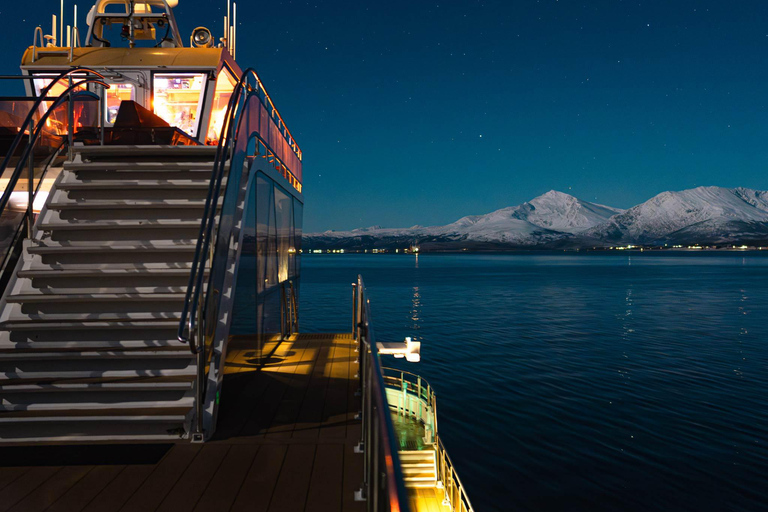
{"x": 164, "y": 476}
{"x": 291, "y": 489}
{"x": 426, "y": 500}
{"x": 117, "y": 492}
{"x": 274, "y": 380}
{"x": 47, "y": 493}
{"x": 286, "y": 415}
{"x": 285, "y": 442}
{"x": 310, "y": 415}
{"x": 9, "y": 475}
{"x": 256, "y": 491}
{"x": 192, "y": 484}
{"x": 325, "y": 493}
{"x": 24, "y": 485}
{"x": 86, "y": 489}
{"x": 336, "y": 411}
{"x": 226, "y": 483}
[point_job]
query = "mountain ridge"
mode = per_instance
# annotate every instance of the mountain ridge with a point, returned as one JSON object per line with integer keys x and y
{"x": 704, "y": 215}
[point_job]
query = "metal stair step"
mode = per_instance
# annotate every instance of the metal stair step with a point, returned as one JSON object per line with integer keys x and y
{"x": 94, "y": 297}
{"x": 101, "y": 355}
{"x": 51, "y": 247}
{"x": 93, "y": 324}
{"x": 118, "y": 204}
{"x": 111, "y": 271}
{"x": 113, "y": 399}
{"x": 111, "y": 165}
{"x": 60, "y": 375}
{"x": 96, "y": 387}
{"x": 179, "y": 152}
{"x": 72, "y": 184}
{"x": 79, "y": 225}
{"x": 31, "y": 346}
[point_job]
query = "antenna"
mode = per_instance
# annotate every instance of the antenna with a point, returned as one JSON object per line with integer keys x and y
{"x": 74, "y": 18}
{"x": 61, "y": 21}
{"x": 234, "y": 30}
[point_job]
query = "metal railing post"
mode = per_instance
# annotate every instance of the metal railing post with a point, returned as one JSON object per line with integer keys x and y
{"x": 30, "y": 185}
{"x": 102, "y": 114}
{"x": 354, "y": 311}
{"x": 198, "y": 435}
{"x": 70, "y": 122}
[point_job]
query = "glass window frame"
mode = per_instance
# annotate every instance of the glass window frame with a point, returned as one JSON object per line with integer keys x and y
{"x": 202, "y": 101}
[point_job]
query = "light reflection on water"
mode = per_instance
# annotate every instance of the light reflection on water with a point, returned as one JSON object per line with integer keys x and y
{"x": 576, "y": 382}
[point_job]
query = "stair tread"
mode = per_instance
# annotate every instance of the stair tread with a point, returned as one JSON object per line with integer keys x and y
{"x": 72, "y": 184}
{"x": 93, "y": 297}
{"x": 96, "y": 386}
{"x": 99, "y": 324}
{"x": 190, "y": 370}
{"x": 148, "y": 149}
{"x": 100, "y": 165}
{"x": 58, "y": 224}
{"x": 112, "y": 270}
{"x": 103, "y": 204}
{"x": 108, "y": 354}
{"x": 47, "y": 247}
{"x": 31, "y": 346}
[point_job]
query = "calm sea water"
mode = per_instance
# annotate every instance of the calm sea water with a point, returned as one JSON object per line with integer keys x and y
{"x": 565, "y": 382}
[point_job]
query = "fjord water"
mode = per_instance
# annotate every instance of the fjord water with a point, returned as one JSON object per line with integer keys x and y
{"x": 579, "y": 382}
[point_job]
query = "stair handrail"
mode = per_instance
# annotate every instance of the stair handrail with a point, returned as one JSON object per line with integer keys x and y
{"x": 35, "y": 133}
{"x": 32, "y": 131}
{"x": 187, "y": 323}
{"x": 192, "y": 323}
{"x": 43, "y": 97}
{"x": 378, "y": 432}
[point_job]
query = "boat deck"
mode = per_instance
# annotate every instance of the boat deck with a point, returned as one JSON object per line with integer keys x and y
{"x": 285, "y": 442}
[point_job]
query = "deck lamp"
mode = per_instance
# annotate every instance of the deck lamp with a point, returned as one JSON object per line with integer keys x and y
{"x": 201, "y": 37}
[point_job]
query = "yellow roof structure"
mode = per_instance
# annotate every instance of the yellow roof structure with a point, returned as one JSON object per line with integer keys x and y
{"x": 189, "y": 58}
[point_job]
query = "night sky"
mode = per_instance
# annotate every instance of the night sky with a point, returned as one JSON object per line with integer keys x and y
{"x": 422, "y": 112}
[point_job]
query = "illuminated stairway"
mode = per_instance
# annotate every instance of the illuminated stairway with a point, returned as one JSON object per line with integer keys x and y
{"x": 88, "y": 323}
{"x": 419, "y": 468}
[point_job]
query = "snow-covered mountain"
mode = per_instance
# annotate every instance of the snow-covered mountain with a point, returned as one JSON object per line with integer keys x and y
{"x": 703, "y": 215}
{"x": 546, "y": 219}
{"x": 707, "y": 215}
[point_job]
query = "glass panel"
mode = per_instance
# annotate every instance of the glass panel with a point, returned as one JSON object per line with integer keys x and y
{"x": 298, "y": 218}
{"x": 177, "y": 97}
{"x": 263, "y": 209}
{"x": 270, "y": 327}
{"x": 244, "y": 315}
{"x": 116, "y": 94}
{"x": 225, "y": 84}
{"x": 283, "y": 215}
{"x": 60, "y": 87}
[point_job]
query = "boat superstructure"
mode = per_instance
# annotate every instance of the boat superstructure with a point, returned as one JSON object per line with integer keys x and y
{"x": 149, "y": 186}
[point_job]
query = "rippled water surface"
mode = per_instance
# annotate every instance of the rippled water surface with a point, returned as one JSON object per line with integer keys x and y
{"x": 565, "y": 382}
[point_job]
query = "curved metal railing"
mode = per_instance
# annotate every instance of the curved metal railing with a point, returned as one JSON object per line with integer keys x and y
{"x": 383, "y": 484}
{"x": 32, "y": 130}
{"x": 418, "y": 387}
{"x": 200, "y": 309}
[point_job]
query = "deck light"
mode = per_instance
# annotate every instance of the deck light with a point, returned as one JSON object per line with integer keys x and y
{"x": 201, "y": 37}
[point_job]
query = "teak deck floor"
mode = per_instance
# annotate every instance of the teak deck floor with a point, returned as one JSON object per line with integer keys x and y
{"x": 284, "y": 442}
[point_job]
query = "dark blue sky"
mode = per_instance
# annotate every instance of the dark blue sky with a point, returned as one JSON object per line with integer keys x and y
{"x": 415, "y": 112}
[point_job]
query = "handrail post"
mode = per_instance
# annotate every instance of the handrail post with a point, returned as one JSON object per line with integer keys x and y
{"x": 102, "y": 114}
{"x": 30, "y": 184}
{"x": 70, "y": 122}
{"x": 198, "y": 436}
{"x": 354, "y": 311}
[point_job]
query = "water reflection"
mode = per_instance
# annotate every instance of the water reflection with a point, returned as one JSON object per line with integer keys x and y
{"x": 416, "y": 307}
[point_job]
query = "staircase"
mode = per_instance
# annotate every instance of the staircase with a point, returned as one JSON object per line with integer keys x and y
{"x": 88, "y": 348}
{"x": 419, "y": 468}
